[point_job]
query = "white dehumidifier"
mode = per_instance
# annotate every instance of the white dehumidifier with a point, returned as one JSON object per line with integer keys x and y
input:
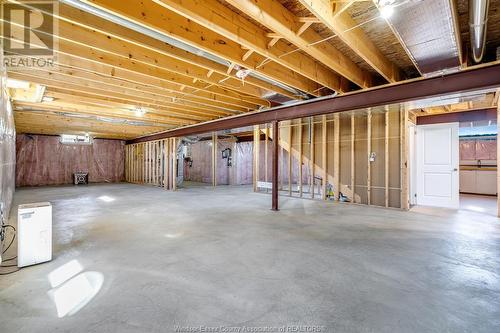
{"x": 34, "y": 233}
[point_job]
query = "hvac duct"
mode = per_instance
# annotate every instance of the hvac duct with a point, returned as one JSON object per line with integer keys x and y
{"x": 478, "y": 19}
{"x": 427, "y": 32}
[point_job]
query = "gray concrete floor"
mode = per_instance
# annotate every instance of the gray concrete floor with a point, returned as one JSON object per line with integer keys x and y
{"x": 222, "y": 258}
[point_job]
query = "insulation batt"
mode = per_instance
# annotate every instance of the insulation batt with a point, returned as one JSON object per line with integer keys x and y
{"x": 43, "y": 160}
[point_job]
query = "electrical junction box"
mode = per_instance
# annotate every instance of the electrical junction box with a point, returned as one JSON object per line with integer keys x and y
{"x": 34, "y": 233}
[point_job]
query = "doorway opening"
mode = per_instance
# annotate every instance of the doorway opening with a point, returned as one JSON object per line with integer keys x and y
{"x": 454, "y": 159}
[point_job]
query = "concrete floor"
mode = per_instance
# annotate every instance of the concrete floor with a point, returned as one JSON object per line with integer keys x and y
{"x": 222, "y": 258}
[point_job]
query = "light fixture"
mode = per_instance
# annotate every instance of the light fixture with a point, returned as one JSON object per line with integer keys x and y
{"x": 47, "y": 99}
{"x": 17, "y": 84}
{"x": 386, "y": 8}
{"x": 386, "y": 11}
{"x": 139, "y": 112}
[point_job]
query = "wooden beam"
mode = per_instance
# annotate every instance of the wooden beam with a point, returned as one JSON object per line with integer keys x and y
{"x": 301, "y": 158}
{"x": 290, "y": 137}
{"x": 311, "y": 156}
{"x": 498, "y": 154}
{"x": 324, "y": 154}
{"x": 342, "y": 25}
{"x": 278, "y": 18}
{"x": 336, "y": 155}
{"x": 386, "y": 155}
{"x": 174, "y": 164}
{"x": 405, "y": 194}
{"x": 266, "y": 153}
{"x": 369, "y": 151}
{"x": 193, "y": 23}
{"x": 256, "y": 152}
{"x": 353, "y": 160}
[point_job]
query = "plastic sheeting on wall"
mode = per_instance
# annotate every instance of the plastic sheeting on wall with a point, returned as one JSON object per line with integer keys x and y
{"x": 7, "y": 147}
{"x": 478, "y": 149}
{"x": 43, "y": 160}
{"x": 239, "y": 173}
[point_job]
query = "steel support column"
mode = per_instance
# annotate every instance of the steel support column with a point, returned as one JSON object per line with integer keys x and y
{"x": 275, "y": 165}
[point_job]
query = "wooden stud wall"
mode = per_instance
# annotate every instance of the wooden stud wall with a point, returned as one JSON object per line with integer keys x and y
{"x": 152, "y": 163}
{"x": 333, "y": 152}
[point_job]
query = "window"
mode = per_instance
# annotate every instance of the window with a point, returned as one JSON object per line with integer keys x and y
{"x": 70, "y": 139}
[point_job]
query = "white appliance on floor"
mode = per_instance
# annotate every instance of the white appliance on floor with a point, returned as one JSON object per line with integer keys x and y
{"x": 34, "y": 233}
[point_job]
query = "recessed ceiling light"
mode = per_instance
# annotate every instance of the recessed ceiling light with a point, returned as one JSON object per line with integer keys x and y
{"x": 47, "y": 99}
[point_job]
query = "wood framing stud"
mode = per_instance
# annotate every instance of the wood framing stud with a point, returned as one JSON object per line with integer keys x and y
{"x": 290, "y": 137}
{"x": 301, "y": 153}
{"x": 336, "y": 155}
{"x": 386, "y": 159}
{"x": 498, "y": 154}
{"x": 324, "y": 154}
{"x": 214, "y": 159}
{"x": 353, "y": 179}
{"x": 369, "y": 151}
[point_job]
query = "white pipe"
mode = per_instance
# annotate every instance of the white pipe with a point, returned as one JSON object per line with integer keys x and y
{"x": 478, "y": 20}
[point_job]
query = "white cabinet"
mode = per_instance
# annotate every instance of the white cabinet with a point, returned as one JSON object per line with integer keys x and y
{"x": 478, "y": 181}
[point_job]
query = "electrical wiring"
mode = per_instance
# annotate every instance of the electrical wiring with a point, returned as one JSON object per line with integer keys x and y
{"x": 13, "y": 237}
{"x": 7, "y": 273}
{"x": 8, "y": 247}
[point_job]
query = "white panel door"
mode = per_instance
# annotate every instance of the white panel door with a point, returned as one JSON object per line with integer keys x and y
{"x": 437, "y": 165}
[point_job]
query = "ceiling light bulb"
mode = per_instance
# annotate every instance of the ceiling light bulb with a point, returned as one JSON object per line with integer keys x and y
{"x": 386, "y": 11}
{"x": 139, "y": 112}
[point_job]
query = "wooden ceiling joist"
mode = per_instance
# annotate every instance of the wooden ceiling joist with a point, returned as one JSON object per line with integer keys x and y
{"x": 222, "y": 32}
{"x": 83, "y": 43}
{"x": 279, "y": 19}
{"x": 97, "y": 31}
{"x": 204, "y": 91}
{"x": 170, "y": 108}
{"x": 82, "y": 108}
{"x": 341, "y": 23}
{"x": 65, "y": 81}
{"x": 99, "y": 101}
{"x": 43, "y": 123}
{"x": 154, "y": 92}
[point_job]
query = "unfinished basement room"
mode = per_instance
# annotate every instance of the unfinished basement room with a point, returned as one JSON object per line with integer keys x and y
{"x": 259, "y": 166}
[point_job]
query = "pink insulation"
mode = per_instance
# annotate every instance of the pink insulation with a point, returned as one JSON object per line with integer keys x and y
{"x": 478, "y": 149}
{"x": 467, "y": 149}
{"x": 43, "y": 160}
{"x": 486, "y": 149}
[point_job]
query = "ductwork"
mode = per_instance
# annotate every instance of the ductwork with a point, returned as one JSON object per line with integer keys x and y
{"x": 426, "y": 30}
{"x": 478, "y": 19}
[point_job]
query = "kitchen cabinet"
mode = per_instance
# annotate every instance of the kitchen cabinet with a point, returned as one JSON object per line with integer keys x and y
{"x": 478, "y": 181}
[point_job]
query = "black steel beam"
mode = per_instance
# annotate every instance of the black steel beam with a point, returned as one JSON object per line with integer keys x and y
{"x": 472, "y": 79}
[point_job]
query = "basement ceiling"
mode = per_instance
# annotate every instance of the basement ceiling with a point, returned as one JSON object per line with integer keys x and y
{"x": 172, "y": 63}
